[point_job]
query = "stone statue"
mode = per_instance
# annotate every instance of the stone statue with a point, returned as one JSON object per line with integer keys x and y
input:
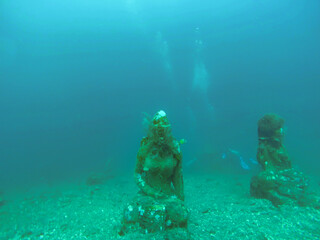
{"x": 278, "y": 182}
{"x": 159, "y": 205}
{"x": 272, "y": 155}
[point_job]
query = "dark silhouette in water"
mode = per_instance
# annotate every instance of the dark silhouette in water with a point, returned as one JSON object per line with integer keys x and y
{"x": 278, "y": 182}
{"x": 159, "y": 205}
{"x": 2, "y": 201}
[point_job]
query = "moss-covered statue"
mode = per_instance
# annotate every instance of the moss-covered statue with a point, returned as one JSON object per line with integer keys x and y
{"x": 278, "y": 182}
{"x": 159, "y": 204}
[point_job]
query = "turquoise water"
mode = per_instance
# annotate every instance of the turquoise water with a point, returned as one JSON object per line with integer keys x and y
{"x": 76, "y": 78}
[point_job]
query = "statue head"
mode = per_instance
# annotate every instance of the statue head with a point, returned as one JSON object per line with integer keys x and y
{"x": 270, "y": 127}
{"x": 160, "y": 128}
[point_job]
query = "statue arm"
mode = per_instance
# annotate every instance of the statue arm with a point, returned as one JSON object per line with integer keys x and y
{"x": 142, "y": 183}
{"x": 178, "y": 180}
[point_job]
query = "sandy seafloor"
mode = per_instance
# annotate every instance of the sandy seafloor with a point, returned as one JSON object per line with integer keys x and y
{"x": 220, "y": 208}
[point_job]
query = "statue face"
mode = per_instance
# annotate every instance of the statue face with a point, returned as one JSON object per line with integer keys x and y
{"x": 161, "y": 125}
{"x": 161, "y": 132}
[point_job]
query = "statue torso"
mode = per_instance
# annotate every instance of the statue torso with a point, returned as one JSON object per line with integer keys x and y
{"x": 159, "y": 171}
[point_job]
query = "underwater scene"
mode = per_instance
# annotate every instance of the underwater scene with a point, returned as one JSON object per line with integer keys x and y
{"x": 159, "y": 120}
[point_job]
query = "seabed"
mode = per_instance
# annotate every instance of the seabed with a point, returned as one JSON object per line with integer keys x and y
{"x": 220, "y": 208}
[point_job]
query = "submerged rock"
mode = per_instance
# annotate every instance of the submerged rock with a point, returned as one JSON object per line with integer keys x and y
{"x": 278, "y": 182}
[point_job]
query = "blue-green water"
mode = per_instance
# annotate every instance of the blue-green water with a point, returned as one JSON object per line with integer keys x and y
{"x": 77, "y": 75}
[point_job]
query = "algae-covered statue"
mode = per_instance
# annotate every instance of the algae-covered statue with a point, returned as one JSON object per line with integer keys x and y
{"x": 272, "y": 155}
{"x": 278, "y": 182}
{"x": 159, "y": 205}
